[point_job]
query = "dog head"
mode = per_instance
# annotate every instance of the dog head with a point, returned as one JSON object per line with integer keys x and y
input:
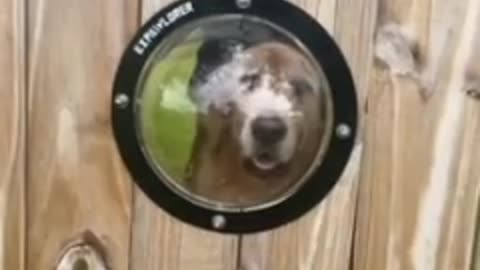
{"x": 269, "y": 96}
{"x": 273, "y": 109}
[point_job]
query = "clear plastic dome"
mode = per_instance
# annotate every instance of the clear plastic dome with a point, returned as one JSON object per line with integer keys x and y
{"x": 233, "y": 112}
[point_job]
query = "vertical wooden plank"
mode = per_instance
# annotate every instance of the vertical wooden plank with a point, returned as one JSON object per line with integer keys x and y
{"x": 78, "y": 194}
{"x": 473, "y": 90}
{"x": 12, "y": 134}
{"x": 458, "y": 237}
{"x": 161, "y": 242}
{"x": 320, "y": 240}
{"x": 420, "y": 185}
{"x": 323, "y": 238}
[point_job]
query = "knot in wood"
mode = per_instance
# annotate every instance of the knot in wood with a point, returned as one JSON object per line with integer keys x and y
{"x": 396, "y": 49}
{"x": 81, "y": 257}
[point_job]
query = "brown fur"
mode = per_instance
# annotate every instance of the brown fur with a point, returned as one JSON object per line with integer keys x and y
{"x": 218, "y": 171}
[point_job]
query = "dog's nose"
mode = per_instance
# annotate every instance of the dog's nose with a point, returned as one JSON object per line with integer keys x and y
{"x": 268, "y": 130}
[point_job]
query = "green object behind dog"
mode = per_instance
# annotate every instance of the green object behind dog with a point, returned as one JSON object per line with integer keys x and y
{"x": 168, "y": 117}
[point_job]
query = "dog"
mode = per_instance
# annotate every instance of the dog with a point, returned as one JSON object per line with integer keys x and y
{"x": 259, "y": 122}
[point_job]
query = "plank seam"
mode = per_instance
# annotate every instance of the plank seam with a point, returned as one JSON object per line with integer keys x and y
{"x": 238, "y": 259}
{"x": 25, "y": 4}
{"x": 133, "y": 196}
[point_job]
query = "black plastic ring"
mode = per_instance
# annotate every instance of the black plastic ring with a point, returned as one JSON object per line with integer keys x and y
{"x": 316, "y": 39}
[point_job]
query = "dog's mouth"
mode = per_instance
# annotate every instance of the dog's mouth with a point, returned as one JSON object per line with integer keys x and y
{"x": 265, "y": 161}
{"x": 266, "y": 164}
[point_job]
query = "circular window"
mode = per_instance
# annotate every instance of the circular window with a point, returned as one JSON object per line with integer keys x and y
{"x": 233, "y": 112}
{"x": 231, "y": 116}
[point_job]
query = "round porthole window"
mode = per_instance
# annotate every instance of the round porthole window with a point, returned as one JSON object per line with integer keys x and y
{"x": 234, "y": 116}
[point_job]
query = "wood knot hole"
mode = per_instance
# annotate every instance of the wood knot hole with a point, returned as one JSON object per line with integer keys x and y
{"x": 81, "y": 257}
{"x": 397, "y": 50}
{"x": 473, "y": 93}
{"x": 80, "y": 264}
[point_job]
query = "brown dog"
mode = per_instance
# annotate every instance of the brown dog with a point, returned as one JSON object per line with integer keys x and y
{"x": 259, "y": 127}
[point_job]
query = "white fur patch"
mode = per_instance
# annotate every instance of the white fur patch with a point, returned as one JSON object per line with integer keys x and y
{"x": 222, "y": 85}
{"x": 264, "y": 101}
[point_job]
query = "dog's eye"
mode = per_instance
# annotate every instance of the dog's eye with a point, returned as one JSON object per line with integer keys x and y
{"x": 301, "y": 87}
{"x": 250, "y": 80}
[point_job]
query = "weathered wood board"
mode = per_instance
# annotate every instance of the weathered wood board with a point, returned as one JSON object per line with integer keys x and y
{"x": 420, "y": 174}
{"x": 323, "y": 238}
{"x": 79, "y": 196}
{"x": 12, "y": 134}
{"x": 409, "y": 198}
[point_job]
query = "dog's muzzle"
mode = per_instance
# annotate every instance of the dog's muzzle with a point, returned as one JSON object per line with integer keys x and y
{"x": 268, "y": 130}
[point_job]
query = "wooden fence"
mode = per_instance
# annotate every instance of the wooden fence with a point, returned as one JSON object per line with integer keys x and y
{"x": 408, "y": 199}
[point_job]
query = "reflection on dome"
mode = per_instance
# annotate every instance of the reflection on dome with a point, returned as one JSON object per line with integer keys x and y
{"x": 234, "y": 112}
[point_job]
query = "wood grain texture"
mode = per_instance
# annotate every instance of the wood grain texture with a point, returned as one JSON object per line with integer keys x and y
{"x": 83, "y": 253}
{"x": 473, "y": 90}
{"x": 323, "y": 238}
{"x": 81, "y": 257}
{"x": 420, "y": 188}
{"x": 320, "y": 240}
{"x": 161, "y": 242}
{"x": 77, "y": 185}
{"x": 409, "y": 198}
{"x": 12, "y": 134}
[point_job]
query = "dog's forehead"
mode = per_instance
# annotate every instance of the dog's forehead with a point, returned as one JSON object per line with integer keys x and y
{"x": 277, "y": 66}
{"x": 277, "y": 83}
{"x": 275, "y": 54}
{"x": 264, "y": 99}
{"x": 282, "y": 62}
